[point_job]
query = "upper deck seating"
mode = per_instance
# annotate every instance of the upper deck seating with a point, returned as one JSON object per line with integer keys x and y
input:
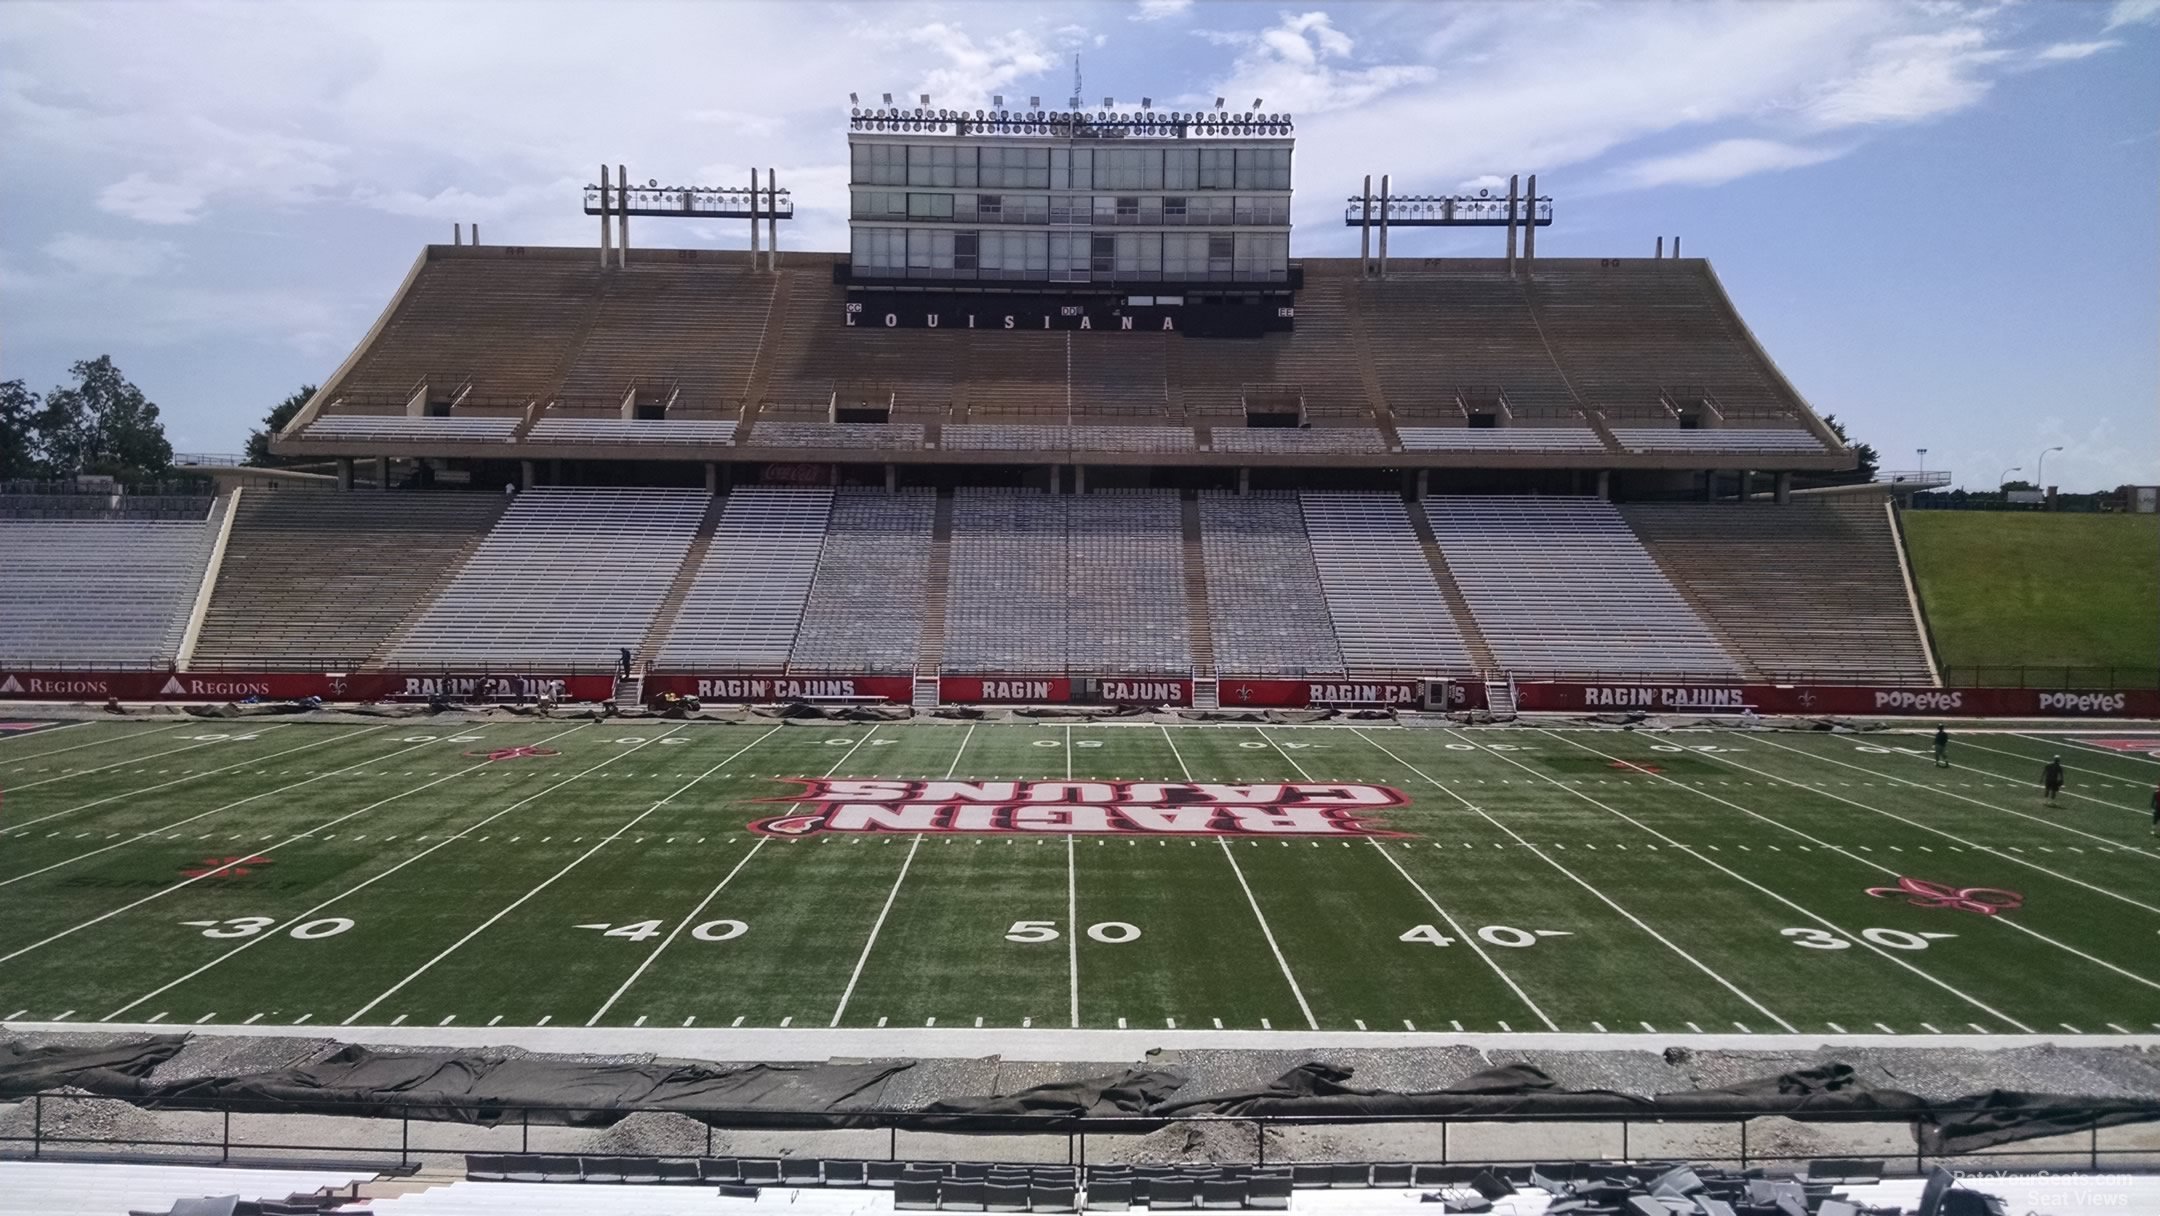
{"x": 1126, "y": 584}
{"x": 105, "y": 593}
{"x": 836, "y": 435}
{"x": 1721, "y": 439}
{"x": 1267, "y": 612}
{"x": 1316, "y": 440}
{"x": 865, "y": 609}
{"x": 1388, "y": 613}
{"x": 38, "y": 502}
{"x": 566, "y": 577}
{"x": 698, "y": 325}
{"x": 991, "y": 437}
{"x": 320, "y": 578}
{"x": 1808, "y": 591}
{"x": 1561, "y": 587}
{"x": 1431, "y": 335}
{"x": 1625, "y": 331}
{"x": 502, "y": 321}
{"x": 747, "y": 597}
{"x": 1006, "y": 603}
{"x": 633, "y": 430}
{"x": 1500, "y": 439}
{"x": 408, "y": 428}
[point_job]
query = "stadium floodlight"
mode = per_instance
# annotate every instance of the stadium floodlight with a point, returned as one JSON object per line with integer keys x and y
{"x": 888, "y": 99}
{"x": 1218, "y": 103}
{"x": 851, "y": 100}
{"x": 1923, "y": 458}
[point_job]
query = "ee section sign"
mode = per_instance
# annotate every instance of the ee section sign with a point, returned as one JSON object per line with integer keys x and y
{"x": 1089, "y": 808}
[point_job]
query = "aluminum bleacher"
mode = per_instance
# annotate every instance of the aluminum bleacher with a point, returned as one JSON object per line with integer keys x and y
{"x": 1805, "y": 591}
{"x": 1388, "y": 612}
{"x": 1266, "y": 610}
{"x": 1721, "y": 439}
{"x": 413, "y": 429}
{"x": 319, "y": 578}
{"x": 1500, "y": 439}
{"x": 82, "y": 1188}
{"x": 1315, "y": 440}
{"x": 102, "y": 593}
{"x": 992, "y": 437}
{"x": 836, "y": 435}
{"x": 864, "y": 612}
{"x": 1006, "y": 605}
{"x": 632, "y": 430}
{"x": 747, "y": 597}
{"x": 1562, "y": 587}
{"x": 1126, "y": 584}
{"x": 566, "y": 577}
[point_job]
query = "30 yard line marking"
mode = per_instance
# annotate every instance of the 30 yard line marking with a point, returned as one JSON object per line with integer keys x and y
{"x": 1892, "y": 871}
{"x": 213, "y": 872}
{"x": 1607, "y": 900}
{"x": 1254, "y": 903}
{"x": 847, "y": 994}
{"x": 1742, "y": 878}
{"x": 355, "y": 889}
{"x": 520, "y": 900}
{"x": 1468, "y": 939}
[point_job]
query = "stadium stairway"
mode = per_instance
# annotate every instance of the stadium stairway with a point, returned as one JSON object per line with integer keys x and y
{"x": 1197, "y": 625}
{"x": 1465, "y": 622}
{"x": 685, "y": 578}
{"x": 930, "y": 650}
{"x": 1389, "y": 615}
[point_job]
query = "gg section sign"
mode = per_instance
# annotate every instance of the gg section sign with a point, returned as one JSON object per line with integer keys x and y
{"x": 1091, "y": 808}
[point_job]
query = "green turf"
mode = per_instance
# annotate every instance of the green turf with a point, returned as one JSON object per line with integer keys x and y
{"x": 1581, "y": 881}
{"x": 2031, "y": 589}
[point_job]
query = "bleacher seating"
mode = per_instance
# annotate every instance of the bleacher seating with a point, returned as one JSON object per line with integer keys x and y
{"x": 59, "y": 503}
{"x": 97, "y": 1188}
{"x": 104, "y": 593}
{"x": 747, "y": 596}
{"x": 990, "y": 437}
{"x": 1721, "y": 439}
{"x": 697, "y": 325}
{"x": 1126, "y": 584}
{"x": 1431, "y": 334}
{"x": 405, "y": 428}
{"x": 1006, "y": 602}
{"x": 835, "y": 435}
{"x": 632, "y": 430}
{"x": 505, "y": 322}
{"x": 1297, "y": 440}
{"x": 319, "y": 578}
{"x": 566, "y": 577}
{"x": 1562, "y": 587}
{"x": 1388, "y": 613}
{"x": 1266, "y": 610}
{"x": 865, "y": 608}
{"x": 1807, "y": 590}
{"x": 1500, "y": 439}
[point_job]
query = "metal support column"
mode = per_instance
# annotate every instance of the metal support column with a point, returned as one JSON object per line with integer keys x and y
{"x": 1784, "y": 489}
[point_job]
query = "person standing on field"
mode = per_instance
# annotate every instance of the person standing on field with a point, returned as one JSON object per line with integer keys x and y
{"x": 2051, "y": 778}
{"x": 1942, "y": 748}
{"x": 2156, "y": 810}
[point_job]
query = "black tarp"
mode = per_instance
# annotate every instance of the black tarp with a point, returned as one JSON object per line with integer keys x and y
{"x": 118, "y": 1069}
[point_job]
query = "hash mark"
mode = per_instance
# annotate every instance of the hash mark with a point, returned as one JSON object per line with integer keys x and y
{"x": 640, "y": 1020}
{"x": 2067, "y": 1026}
{"x": 1407, "y": 1024}
{"x": 1263, "y": 1024}
{"x": 1360, "y": 1023}
{"x": 296, "y": 1021}
{"x": 1599, "y": 1027}
{"x": 204, "y": 1018}
{"x": 251, "y": 1019}
{"x": 1834, "y": 1026}
{"x": 493, "y": 1020}
{"x": 1884, "y": 1029}
{"x": 1647, "y": 1026}
{"x": 447, "y": 1019}
{"x": 545, "y": 1018}
{"x": 398, "y": 1020}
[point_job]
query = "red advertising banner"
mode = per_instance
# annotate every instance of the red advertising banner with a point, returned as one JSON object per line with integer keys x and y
{"x": 295, "y": 685}
{"x": 1853, "y": 700}
{"x": 746, "y": 688}
{"x": 1012, "y": 690}
{"x": 1342, "y": 693}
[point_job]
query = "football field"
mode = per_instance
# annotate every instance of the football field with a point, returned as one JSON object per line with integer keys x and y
{"x": 1336, "y": 877}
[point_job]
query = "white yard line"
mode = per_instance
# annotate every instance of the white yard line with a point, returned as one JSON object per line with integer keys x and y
{"x": 515, "y": 904}
{"x": 1579, "y": 881}
{"x": 1258, "y": 916}
{"x": 162, "y": 892}
{"x": 1467, "y": 938}
{"x": 848, "y": 994}
{"x": 216, "y": 810}
{"x": 2023, "y": 758}
{"x": 25, "y": 825}
{"x": 1072, "y": 901}
{"x": 301, "y": 917}
{"x": 171, "y": 751}
{"x": 1874, "y": 864}
{"x": 1741, "y": 878}
{"x": 1936, "y": 789}
{"x": 692, "y": 916}
{"x": 40, "y": 734}
{"x": 2097, "y": 751}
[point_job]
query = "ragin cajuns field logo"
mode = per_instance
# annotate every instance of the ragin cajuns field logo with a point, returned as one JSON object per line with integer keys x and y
{"x": 1091, "y": 808}
{"x": 1924, "y": 893}
{"x": 524, "y": 752}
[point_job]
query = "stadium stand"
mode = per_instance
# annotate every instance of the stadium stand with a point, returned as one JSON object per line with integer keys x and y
{"x": 1810, "y": 590}
{"x": 1006, "y": 603}
{"x": 1723, "y": 439}
{"x": 317, "y": 578}
{"x": 864, "y": 612}
{"x": 632, "y": 430}
{"x": 1126, "y": 584}
{"x": 698, "y": 325}
{"x": 566, "y": 577}
{"x": 67, "y": 503}
{"x": 100, "y": 593}
{"x": 86, "y": 1188}
{"x": 482, "y": 319}
{"x": 413, "y": 429}
{"x": 1388, "y": 613}
{"x": 1562, "y": 587}
{"x": 1021, "y": 438}
{"x": 1116, "y": 375}
{"x": 1432, "y": 334}
{"x": 1267, "y": 612}
{"x": 1299, "y": 441}
{"x": 747, "y": 596}
{"x": 836, "y": 435}
{"x": 1500, "y": 439}
{"x": 1623, "y": 331}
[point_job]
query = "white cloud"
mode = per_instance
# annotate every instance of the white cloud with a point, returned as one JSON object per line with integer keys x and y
{"x": 975, "y": 69}
{"x": 1721, "y": 162}
{"x": 2065, "y": 52}
{"x": 109, "y": 258}
{"x": 1908, "y": 79}
{"x": 1300, "y": 66}
{"x": 2133, "y": 12}
{"x": 1160, "y": 10}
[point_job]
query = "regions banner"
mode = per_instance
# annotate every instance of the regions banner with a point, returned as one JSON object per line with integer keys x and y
{"x": 758, "y": 688}
{"x": 1851, "y": 700}
{"x": 296, "y": 685}
{"x": 1088, "y": 808}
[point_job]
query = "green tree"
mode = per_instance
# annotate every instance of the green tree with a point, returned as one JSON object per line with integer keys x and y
{"x": 1865, "y": 451}
{"x": 19, "y": 409}
{"x": 258, "y": 444}
{"x": 103, "y": 424}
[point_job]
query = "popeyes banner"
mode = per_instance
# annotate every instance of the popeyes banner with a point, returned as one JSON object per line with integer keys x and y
{"x": 1842, "y": 700}
{"x": 757, "y": 688}
{"x": 1092, "y": 808}
{"x": 297, "y": 685}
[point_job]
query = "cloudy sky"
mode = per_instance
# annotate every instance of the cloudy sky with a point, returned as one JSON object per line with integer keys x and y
{"x": 1939, "y": 217}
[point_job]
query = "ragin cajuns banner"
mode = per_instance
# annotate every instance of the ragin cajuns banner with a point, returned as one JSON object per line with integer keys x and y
{"x": 1861, "y": 701}
{"x": 1091, "y": 808}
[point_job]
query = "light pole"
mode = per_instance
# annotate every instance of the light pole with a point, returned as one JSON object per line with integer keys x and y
{"x": 2004, "y": 480}
{"x": 1923, "y": 458}
{"x": 2040, "y": 478}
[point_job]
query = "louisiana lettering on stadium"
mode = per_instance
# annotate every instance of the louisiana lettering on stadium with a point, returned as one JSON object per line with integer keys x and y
{"x": 1086, "y": 808}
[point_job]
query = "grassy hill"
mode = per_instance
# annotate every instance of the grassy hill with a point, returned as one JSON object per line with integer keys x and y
{"x": 2037, "y": 589}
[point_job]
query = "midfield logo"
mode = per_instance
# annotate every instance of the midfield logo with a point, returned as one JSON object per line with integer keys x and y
{"x": 1089, "y": 808}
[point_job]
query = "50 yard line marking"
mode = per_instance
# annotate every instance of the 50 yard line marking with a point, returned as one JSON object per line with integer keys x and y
{"x": 357, "y": 888}
{"x": 1722, "y": 869}
{"x": 878, "y": 926}
{"x": 1608, "y": 901}
{"x": 1467, "y": 938}
{"x": 1266, "y": 932}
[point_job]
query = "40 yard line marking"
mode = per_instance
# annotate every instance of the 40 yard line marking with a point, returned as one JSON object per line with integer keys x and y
{"x": 1266, "y": 932}
{"x": 1879, "y": 866}
{"x": 301, "y": 917}
{"x": 847, "y": 994}
{"x": 513, "y": 905}
{"x": 1468, "y": 939}
{"x": 1820, "y": 920}
{"x": 1607, "y": 900}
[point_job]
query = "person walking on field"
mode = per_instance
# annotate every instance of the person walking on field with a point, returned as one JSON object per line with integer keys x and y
{"x": 2156, "y": 810}
{"x": 2051, "y": 778}
{"x": 1942, "y": 748}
